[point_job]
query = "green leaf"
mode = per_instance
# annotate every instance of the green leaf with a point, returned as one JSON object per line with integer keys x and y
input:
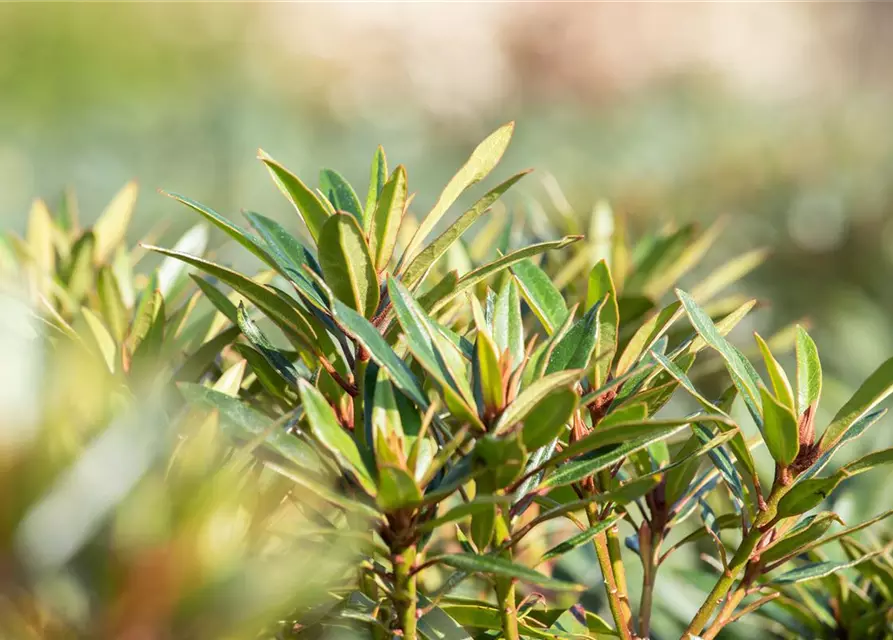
{"x": 223, "y": 304}
{"x": 723, "y": 326}
{"x": 380, "y": 351}
{"x": 78, "y": 273}
{"x": 549, "y": 418}
{"x": 487, "y": 374}
{"x": 427, "y": 257}
{"x": 859, "y": 427}
{"x": 601, "y": 284}
{"x": 437, "y": 625}
{"x": 480, "y": 274}
{"x": 507, "y": 328}
{"x": 289, "y": 257}
{"x": 332, "y": 436}
{"x": 102, "y": 338}
{"x": 378, "y": 176}
{"x": 397, "y": 489}
{"x": 384, "y": 223}
{"x": 308, "y": 206}
{"x": 482, "y": 161}
{"x": 111, "y": 304}
{"x": 577, "y": 470}
{"x": 809, "y": 372}
{"x": 780, "y": 384}
{"x": 279, "y": 311}
{"x": 867, "y": 462}
{"x": 647, "y": 335}
{"x": 171, "y": 272}
{"x": 805, "y": 532}
{"x": 818, "y": 570}
{"x": 483, "y": 524}
{"x": 743, "y": 375}
{"x": 602, "y": 436}
{"x": 110, "y": 229}
{"x": 389, "y": 440}
{"x": 780, "y": 429}
{"x": 234, "y": 231}
{"x": 270, "y": 353}
{"x": 544, "y": 299}
{"x": 877, "y": 387}
{"x": 579, "y": 539}
{"x": 243, "y": 424}
{"x": 463, "y": 510}
{"x": 806, "y": 494}
{"x": 575, "y": 349}
{"x": 437, "y": 356}
{"x": 340, "y": 194}
{"x": 500, "y": 567}
{"x": 347, "y": 265}
{"x": 530, "y": 398}
{"x": 503, "y": 460}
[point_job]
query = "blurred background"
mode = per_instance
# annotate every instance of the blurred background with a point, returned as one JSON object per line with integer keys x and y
{"x": 777, "y": 116}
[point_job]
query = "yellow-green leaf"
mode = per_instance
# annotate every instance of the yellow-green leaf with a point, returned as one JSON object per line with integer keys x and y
{"x": 347, "y": 265}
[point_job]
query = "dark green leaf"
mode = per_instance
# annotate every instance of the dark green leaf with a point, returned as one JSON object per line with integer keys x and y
{"x": 500, "y": 567}
{"x": 347, "y": 265}
{"x": 809, "y": 372}
{"x": 877, "y": 387}
{"x": 340, "y": 194}
{"x": 544, "y": 299}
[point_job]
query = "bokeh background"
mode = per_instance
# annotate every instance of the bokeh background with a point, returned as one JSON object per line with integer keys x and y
{"x": 777, "y": 116}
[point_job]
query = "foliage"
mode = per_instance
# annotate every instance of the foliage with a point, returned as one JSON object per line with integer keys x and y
{"x": 420, "y": 412}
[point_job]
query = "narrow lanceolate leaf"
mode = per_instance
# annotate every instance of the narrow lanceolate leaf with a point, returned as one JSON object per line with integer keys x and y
{"x": 804, "y": 533}
{"x": 877, "y": 387}
{"x": 244, "y": 424}
{"x": 347, "y": 265}
{"x": 742, "y": 372}
{"x": 304, "y": 200}
{"x": 289, "y": 257}
{"x": 646, "y": 335}
{"x": 102, "y": 338}
{"x": 487, "y": 374}
{"x": 111, "y": 304}
{"x": 580, "y": 539}
{"x": 780, "y": 384}
{"x": 780, "y": 429}
{"x": 818, "y": 570}
{"x": 480, "y": 274}
{"x": 496, "y": 566}
{"x": 384, "y": 221}
{"x": 601, "y": 284}
{"x": 110, "y": 228}
{"x": 426, "y": 258}
{"x": 723, "y": 326}
{"x": 464, "y": 510}
{"x": 339, "y": 192}
{"x": 549, "y": 418}
{"x": 436, "y": 355}
{"x": 331, "y": 434}
{"x": 807, "y": 494}
{"x": 78, "y": 273}
{"x": 528, "y": 399}
{"x": 621, "y": 432}
{"x": 397, "y": 489}
{"x": 284, "y": 315}
{"x": 271, "y": 354}
{"x": 194, "y": 242}
{"x": 388, "y": 438}
{"x": 380, "y": 351}
{"x": 542, "y": 296}
{"x": 859, "y": 427}
{"x": 508, "y": 332}
{"x": 867, "y": 463}
{"x": 578, "y": 469}
{"x": 575, "y": 349}
{"x": 482, "y": 161}
{"x": 809, "y": 372}
{"x": 234, "y": 231}
{"x": 378, "y": 175}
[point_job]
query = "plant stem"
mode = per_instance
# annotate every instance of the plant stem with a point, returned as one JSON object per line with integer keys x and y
{"x": 600, "y": 543}
{"x": 508, "y": 611}
{"x": 614, "y": 554}
{"x": 736, "y": 565}
{"x": 405, "y": 597}
{"x": 505, "y": 587}
{"x": 649, "y": 548}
